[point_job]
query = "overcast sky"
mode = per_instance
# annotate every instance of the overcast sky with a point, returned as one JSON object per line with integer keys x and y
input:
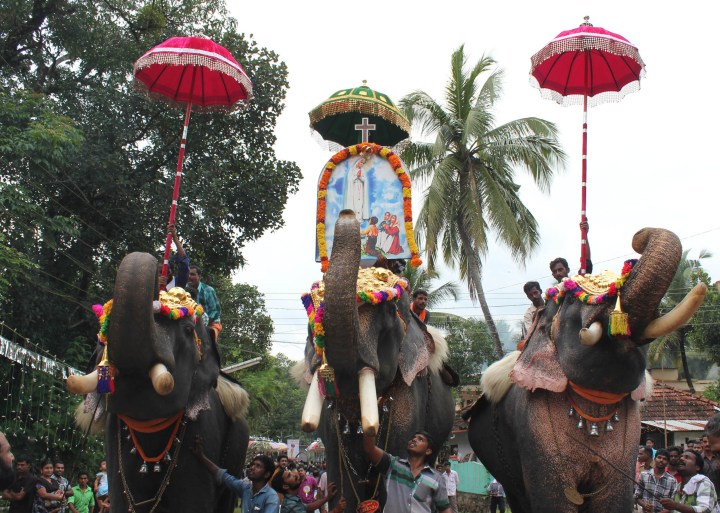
{"x": 651, "y": 157}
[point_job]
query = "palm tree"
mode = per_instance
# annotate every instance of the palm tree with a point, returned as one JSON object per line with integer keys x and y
{"x": 676, "y": 341}
{"x": 422, "y": 278}
{"x": 470, "y": 167}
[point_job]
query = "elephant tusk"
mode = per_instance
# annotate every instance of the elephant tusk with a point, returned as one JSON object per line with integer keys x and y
{"x": 310, "y": 419}
{"x": 678, "y": 315}
{"x": 82, "y": 384}
{"x": 591, "y": 335}
{"x": 162, "y": 380}
{"x": 368, "y": 402}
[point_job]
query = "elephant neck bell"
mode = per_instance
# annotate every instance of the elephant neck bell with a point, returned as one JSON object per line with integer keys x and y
{"x": 341, "y": 315}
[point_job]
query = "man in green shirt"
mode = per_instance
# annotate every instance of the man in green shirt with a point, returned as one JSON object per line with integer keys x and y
{"x": 83, "y": 499}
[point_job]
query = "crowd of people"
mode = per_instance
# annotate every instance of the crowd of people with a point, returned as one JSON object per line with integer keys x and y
{"x": 681, "y": 479}
{"x": 48, "y": 490}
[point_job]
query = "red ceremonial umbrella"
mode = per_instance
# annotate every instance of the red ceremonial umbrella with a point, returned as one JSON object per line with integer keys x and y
{"x": 586, "y": 65}
{"x": 195, "y": 73}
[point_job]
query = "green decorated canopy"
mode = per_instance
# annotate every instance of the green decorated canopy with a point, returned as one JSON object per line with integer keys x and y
{"x": 349, "y": 113}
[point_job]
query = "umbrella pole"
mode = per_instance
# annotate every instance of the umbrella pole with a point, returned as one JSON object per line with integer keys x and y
{"x": 583, "y": 208}
{"x": 176, "y": 191}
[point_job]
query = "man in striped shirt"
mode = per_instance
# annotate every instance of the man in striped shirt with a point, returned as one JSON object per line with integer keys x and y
{"x": 655, "y": 484}
{"x": 412, "y": 484}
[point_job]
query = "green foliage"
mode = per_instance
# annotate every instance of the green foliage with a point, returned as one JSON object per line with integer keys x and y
{"x": 247, "y": 327}
{"x": 422, "y": 278}
{"x": 87, "y": 164}
{"x": 712, "y": 392}
{"x": 471, "y": 347}
{"x": 276, "y": 400}
{"x": 705, "y": 333}
{"x": 470, "y": 167}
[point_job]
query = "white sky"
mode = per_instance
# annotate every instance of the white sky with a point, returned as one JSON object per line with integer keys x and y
{"x": 648, "y": 155}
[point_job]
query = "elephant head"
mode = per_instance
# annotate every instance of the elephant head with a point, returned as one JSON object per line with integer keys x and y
{"x": 586, "y": 354}
{"x": 168, "y": 363}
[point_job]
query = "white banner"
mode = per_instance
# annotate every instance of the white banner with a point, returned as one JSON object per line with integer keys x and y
{"x": 31, "y": 359}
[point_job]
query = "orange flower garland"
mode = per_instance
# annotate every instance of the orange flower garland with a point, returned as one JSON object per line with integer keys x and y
{"x": 396, "y": 164}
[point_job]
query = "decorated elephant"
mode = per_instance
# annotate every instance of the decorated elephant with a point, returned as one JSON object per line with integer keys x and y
{"x": 559, "y": 423}
{"x": 378, "y": 364}
{"x": 161, "y": 367}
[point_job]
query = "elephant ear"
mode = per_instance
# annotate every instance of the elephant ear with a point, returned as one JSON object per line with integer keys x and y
{"x": 414, "y": 353}
{"x": 206, "y": 373}
{"x": 538, "y": 365}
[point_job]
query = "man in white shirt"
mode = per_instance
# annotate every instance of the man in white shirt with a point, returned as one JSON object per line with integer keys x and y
{"x": 452, "y": 480}
{"x": 534, "y": 294}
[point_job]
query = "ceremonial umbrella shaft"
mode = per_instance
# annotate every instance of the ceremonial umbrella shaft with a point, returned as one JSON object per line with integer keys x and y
{"x": 176, "y": 191}
{"x": 583, "y": 207}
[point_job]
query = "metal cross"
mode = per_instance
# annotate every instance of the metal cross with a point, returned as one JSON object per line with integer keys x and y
{"x": 365, "y": 127}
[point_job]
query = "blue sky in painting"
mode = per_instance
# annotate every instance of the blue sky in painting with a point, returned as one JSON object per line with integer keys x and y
{"x": 385, "y": 196}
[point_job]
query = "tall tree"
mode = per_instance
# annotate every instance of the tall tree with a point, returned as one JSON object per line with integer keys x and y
{"x": 673, "y": 346}
{"x": 471, "y": 166}
{"x": 91, "y": 163}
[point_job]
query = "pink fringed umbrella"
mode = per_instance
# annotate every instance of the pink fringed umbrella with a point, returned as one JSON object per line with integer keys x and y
{"x": 586, "y": 64}
{"x": 195, "y": 73}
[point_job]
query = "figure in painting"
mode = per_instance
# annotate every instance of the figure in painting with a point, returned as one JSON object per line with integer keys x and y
{"x": 372, "y": 236}
{"x": 384, "y": 240}
{"x": 393, "y": 231}
{"x": 357, "y": 197}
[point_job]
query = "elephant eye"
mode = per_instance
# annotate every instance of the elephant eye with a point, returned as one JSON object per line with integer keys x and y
{"x": 188, "y": 329}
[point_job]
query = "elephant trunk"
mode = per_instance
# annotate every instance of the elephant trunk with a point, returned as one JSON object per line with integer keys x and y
{"x": 340, "y": 319}
{"x": 133, "y": 341}
{"x": 649, "y": 280}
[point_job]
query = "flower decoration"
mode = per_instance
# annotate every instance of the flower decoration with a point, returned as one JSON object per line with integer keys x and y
{"x": 570, "y": 286}
{"x": 396, "y": 164}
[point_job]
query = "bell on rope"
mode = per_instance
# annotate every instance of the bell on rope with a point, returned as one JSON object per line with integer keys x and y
{"x": 346, "y": 429}
{"x": 143, "y": 468}
{"x": 125, "y": 428}
{"x": 329, "y": 405}
{"x": 571, "y": 412}
{"x": 168, "y": 458}
{"x": 608, "y": 426}
{"x": 133, "y": 450}
{"x": 594, "y": 429}
{"x": 359, "y": 429}
{"x": 581, "y": 423}
{"x": 128, "y": 438}
{"x": 157, "y": 467}
{"x": 616, "y": 417}
{"x": 177, "y": 440}
{"x": 385, "y": 408}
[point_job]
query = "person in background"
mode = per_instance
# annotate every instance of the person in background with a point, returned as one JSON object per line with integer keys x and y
{"x": 673, "y": 462}
{"x": 696, "y": 494}
{"x": 308, "y": 486}
{"x": 534, "y": 294}
{"x": 22, "y": 492}
{"x": 100, "y": 487}
{"x": 419, "y": 304}
{"x": 48, "y": 496}
{"x": 256, "y": 494}
{"x": 179, "y": 259}
{"x": 63, "y": 483}
{"x": 452, "y": 480}
{"x": 644, "y": 461}
{"x": 291, "y": 502}
{"x": 650, "y": 444}
{"x": 207, "y": 297}
{"x": 655, "y": 484}
{"x": 497, "y": 496}
{"x": 83, "y": 499}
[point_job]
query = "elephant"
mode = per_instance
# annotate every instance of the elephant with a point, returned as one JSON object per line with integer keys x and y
{"x": 389, "y": 382}
{"x": 559, "y": 423}
{"x": 167, "y": 391}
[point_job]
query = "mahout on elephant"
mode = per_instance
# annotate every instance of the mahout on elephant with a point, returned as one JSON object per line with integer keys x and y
{"x": 164, "y": 366}
{"x": 559, "y": 423}
{"x": 387, "y": 366}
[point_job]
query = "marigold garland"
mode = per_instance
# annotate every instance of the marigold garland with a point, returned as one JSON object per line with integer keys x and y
{"x": 396, "y": 165}
{"x": 568, "y": 286}
{"x": 316, "y": 308}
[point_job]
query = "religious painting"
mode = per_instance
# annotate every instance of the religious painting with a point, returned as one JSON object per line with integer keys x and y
{"x": 367, "y": 183}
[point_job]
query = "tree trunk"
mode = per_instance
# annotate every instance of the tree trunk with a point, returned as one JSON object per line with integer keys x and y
{"x": 686, "y": 369}
{"x": 475, "y": 285}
